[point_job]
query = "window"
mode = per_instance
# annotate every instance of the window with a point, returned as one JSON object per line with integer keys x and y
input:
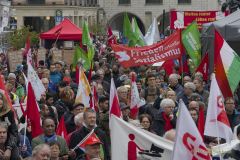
{"x": 154, "y": 1}
{"x": 124, "y": 1}
{"x": 184, "y": 1}
{"x": 36, "y": 1}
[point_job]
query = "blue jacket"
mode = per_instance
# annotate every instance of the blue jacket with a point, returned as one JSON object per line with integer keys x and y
{"x": 28, "y": 152}
{"x": 55, "y": 77}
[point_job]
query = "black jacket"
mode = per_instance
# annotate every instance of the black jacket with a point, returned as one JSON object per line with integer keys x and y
{"x": 159, "y": 122}
{"x": 12, "y": 129}
{"x": 79, "y": 135}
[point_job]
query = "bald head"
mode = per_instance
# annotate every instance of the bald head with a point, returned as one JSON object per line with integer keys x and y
{"x": 193, "y": 105}
{"x": 170, "y": 135}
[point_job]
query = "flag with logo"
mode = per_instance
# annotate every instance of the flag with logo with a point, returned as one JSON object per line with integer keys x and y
{"x": 217, "y": 124}
{"x": 84, "y": 89}
{"x": 227, "y": 64}
{"x": 37, "y": 85}
{"x": 189, "y": 144}
{"x": 114, "y": 107}
{"x": 135, "y": 99}
{"x": 132, "y": 143}
{"x": 61, "y": 128}
{"x": 192, "y": 43}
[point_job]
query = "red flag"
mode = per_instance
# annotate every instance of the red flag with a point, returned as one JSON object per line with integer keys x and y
{"x": 135, "y": 98}
{"x": 111, "y": 37}
{"x": 221, "y": 76}
{"x": 61, "y": 128}
{"x": 90, "y": 139}
{"x": 168, "y": 66}
{"x": 201, "y": 121}
{"x": 114, "y": 102}
{"x": 27, "y": 47}
{"x": 203, "y": 67}
{"x": 32, "y": 112}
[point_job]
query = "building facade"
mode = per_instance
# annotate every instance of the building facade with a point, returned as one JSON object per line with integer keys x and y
{"x": 44, "y": 14}
{"x": 103, "y": 11}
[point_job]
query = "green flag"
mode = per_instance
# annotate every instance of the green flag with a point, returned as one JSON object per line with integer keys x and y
{"x": 86, "y": 40}
{"x": 81, "y": 56}
{"x": 192, "y": 43}
{"x": 137, "y": 32}
{"x": 128, "y": 32}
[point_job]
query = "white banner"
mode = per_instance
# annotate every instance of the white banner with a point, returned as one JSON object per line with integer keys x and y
{"x": 130, "y": 142}
{"x": 37, "y": 85}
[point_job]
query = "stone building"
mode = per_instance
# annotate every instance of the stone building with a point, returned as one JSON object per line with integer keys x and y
{"x": 42, "y": 13}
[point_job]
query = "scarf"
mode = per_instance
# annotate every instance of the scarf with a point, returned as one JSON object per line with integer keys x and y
{"x": 168, "y": 124}
{"x": 52, "y": 138}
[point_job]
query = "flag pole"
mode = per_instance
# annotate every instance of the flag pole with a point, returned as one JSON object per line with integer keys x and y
{"x": 57, "y": 36}
{"x": 25, "y": 131}
{"x": 84, "y": 139}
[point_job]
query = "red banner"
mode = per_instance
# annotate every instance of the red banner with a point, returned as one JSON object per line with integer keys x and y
{"x": 170, "y": 48}
{"x": 181, "y": 19}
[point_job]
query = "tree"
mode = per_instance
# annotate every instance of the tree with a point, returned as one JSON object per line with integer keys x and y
{"x": 18, "y": 38}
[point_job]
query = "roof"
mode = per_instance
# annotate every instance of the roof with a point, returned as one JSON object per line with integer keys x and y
{"x": 229, "y": 27}
{"x": 66, "y": 30}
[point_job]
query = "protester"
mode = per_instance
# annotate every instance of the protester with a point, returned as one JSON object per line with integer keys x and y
{"x": 8, "y": 148}
{"x": 164, "y": 120}
{"x": 146, "y": 122}
{"x": 232, "y": 114}
{"x": 88, "y": 125}
{"x": 41, "y": 152}
{"x": 49, "y": 135}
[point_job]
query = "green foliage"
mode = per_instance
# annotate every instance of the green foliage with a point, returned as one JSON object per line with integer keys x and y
{"x": 18, "y": 38}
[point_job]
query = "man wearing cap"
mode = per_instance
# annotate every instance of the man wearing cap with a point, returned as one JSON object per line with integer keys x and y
{"x": 92, "y": 148}
{"x": 89, "y": 118}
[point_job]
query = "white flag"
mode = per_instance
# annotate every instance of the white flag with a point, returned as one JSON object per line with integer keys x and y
{"x": 37, "y": 85}
{"x": 188, "y": 143}
{"x": 217, "y": 124}
{"x": 130, "y": 142}
{"x": 152, "y": 36}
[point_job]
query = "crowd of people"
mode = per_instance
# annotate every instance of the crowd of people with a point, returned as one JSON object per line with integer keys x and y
{"x": 159, "y": 92}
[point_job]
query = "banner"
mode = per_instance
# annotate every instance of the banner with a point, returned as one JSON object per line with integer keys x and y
{"x": 170, "y": 48}
{"x": 132, "y": 143}
{"x": 181, "y": 19}
{"x": 192, "y": 43}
